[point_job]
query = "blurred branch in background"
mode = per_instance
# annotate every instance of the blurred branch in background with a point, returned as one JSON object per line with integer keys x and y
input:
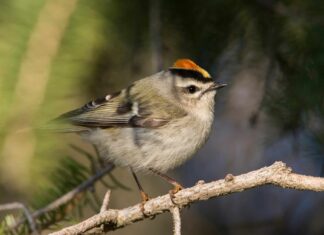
{"x": 277, "y": 174}
{"x": 62, "y": 206}
{"x": 31, "y": 85}
{"x": 155, "y": 35}
{"x": 28, "y": 215}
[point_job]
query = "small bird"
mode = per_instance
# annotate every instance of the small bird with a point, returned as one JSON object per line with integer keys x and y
{"x": 155, "y": 124}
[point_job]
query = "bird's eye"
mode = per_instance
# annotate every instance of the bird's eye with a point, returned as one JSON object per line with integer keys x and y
{"x": 192, "y": 89}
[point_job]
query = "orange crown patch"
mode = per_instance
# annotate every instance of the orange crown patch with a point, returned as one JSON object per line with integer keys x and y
{"x": 190, "y": 65}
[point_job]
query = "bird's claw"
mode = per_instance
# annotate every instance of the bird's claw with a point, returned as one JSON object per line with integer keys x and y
{"x": 145, "y": 198}
{"x": 172, "y": 192}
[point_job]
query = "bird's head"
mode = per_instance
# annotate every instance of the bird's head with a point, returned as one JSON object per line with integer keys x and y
{"x": 192, "y": 86}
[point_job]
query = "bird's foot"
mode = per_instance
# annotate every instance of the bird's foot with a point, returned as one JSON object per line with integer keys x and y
{"x": 172, "y": 192}
{"x": 145, "y": 198}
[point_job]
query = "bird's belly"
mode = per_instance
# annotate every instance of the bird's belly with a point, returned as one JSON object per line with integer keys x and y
{"x": 140, "y": 148}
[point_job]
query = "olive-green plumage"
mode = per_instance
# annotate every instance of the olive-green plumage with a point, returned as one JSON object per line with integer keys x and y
{"x": 157, "y": 123}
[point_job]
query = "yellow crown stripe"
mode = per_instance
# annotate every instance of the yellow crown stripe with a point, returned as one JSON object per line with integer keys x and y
{"x": 189, "y": 64}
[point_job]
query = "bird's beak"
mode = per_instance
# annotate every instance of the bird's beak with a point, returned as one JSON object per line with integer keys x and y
{"x": 215, "y": 86}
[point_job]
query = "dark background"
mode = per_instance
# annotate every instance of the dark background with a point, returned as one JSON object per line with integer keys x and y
{"x": 57, "y": 55}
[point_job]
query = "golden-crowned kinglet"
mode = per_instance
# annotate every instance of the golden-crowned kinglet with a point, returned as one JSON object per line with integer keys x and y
{"x": 155, "y": 124}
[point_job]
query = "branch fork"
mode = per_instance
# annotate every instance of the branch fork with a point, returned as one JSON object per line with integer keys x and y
{"x": 277, "y": 174}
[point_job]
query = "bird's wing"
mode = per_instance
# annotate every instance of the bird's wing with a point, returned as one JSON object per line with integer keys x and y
{"x": 128, "y": 108}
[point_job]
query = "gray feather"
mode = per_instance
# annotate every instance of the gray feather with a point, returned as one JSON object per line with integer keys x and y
{"x": 136, "y": 106}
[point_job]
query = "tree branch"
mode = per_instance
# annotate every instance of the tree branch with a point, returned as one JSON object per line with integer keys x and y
{"x": 105, "y": 202}
{"x": 69, "y": 196}
{"x": 277, "y": 174}
{"x": 28, "y": 215}
{"x": 73, "y": 193}
{"x": 175, "y": 211}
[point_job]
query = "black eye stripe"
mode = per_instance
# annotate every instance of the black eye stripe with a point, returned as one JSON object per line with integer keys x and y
{"x": 187, "y": 73}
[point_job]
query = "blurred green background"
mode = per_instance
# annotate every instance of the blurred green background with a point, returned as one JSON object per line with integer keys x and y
{"x": 56, "y": 55}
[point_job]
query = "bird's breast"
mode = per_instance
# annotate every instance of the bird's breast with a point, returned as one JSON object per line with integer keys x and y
{"x": 173, "y": 144}
{"x": 160, "y": 148}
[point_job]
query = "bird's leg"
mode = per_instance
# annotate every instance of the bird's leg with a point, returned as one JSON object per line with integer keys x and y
{"x": 144, "y": 195}
{"x": 177, "y": 186}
